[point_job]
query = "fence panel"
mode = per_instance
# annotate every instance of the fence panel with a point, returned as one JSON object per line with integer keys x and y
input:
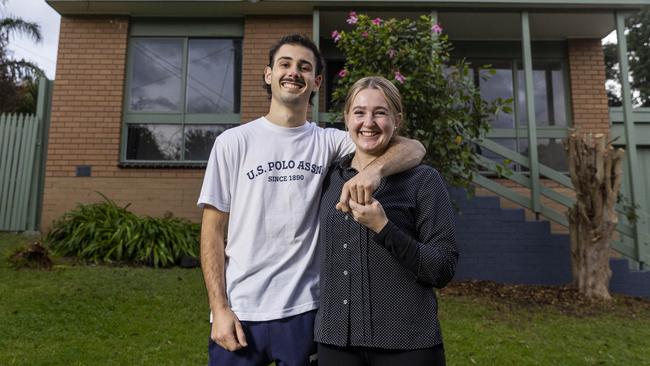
{"x": 23, "y": 141}
{"x": 19, "y": 134}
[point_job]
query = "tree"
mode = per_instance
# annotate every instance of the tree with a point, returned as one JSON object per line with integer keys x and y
{"x": 443, "y": 106}
{"x": 596, "y": 174}
{"x": 15, "y": 75}
{"x": 637, "y": 29}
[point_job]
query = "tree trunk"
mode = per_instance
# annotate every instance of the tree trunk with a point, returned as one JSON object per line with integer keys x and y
{"x": 595, "y": 168}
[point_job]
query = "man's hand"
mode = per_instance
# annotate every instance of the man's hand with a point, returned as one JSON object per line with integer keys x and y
{"x": 359, "y": 189}
{"x": 227, "y": 331}
{"x": 370, "y": 215}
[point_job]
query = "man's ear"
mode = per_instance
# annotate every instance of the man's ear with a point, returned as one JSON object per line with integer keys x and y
{"x": 267, "y": 75}
{"x": 317, "y": 81}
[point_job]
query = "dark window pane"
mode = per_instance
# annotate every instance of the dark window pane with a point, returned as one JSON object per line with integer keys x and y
{"x": 332, "y": 69}
{"x": 549, "y": 151}
{"x": 200, "y": 138}
{"x": 550, "y": 106}
{"x": 499, "y": 85}
{"x": 552, "y": 154}
{"x": 559, "y": 98}
{"x": 211, "y": 76}
{"x": 153, "y": 142}
{"x": 156, "y": 74}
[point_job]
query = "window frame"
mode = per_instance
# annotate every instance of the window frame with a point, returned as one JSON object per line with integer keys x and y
{"x": 486, "y": 52}
{"x": 231, "y": 29}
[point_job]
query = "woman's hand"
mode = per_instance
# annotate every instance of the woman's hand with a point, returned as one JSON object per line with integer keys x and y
{"x": 359, "y": 189}
{"x": 370, "y": 215}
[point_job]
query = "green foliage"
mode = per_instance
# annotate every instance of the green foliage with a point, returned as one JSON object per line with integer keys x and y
{"x": 637, "y": 27}
{"x": 444, "y": 108}
{"x": 638, "y": 41}
{"x": 105, "y": 232}
{"x": 28, "y": 102}
{"x": 611, "y": 73}
{"x": 16, "y": 76}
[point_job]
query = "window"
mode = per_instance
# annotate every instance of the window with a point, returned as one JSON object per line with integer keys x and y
{"x": 551, "y": 112}
{"x": 181, "y": 93}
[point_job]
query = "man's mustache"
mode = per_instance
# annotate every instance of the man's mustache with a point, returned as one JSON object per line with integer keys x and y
{"x": 300, "y": 81}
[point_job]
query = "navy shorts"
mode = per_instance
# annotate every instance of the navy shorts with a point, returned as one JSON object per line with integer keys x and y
{"x": 288, "y": 342}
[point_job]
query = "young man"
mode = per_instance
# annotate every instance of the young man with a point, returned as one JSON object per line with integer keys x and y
{"x": 263, "y": 183}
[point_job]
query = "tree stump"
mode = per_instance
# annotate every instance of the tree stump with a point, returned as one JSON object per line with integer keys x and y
{"x": 595, "y": 169}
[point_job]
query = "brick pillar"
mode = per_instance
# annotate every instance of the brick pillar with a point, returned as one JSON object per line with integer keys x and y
{"x": 588, "y": 94}
{"x": 88, "y": 93}
{"x": 260, "y": 33}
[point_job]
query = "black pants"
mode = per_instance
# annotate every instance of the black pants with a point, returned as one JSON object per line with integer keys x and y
{"x": 329, "y": 355}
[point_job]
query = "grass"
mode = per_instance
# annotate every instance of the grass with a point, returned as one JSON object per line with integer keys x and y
{"x": 100, "y": 315}
{"x": 97, "y": 315}
{"x": 483, "y": 333}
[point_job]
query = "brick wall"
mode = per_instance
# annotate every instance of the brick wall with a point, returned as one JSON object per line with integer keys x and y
{"x": 260, "y": 33}
{"x": 152, "y": 196}
{"x": 587, "y": 78}
{"x": 87, "y": 100}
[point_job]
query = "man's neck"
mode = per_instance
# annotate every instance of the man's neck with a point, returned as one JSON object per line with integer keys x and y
{"x": 286, "y": 117}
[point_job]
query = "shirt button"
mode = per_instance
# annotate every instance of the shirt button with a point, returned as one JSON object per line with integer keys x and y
{"x": 345, "y": 246}
{"x": 345, "y": 302}
{"x": 346, "y": 217}
{"x": 345, "y": 273}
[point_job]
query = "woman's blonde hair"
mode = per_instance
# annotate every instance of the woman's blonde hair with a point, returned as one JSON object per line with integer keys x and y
{"x": 385, "y": 87}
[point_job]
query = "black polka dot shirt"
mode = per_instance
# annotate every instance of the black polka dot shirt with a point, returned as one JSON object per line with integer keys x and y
{"x": 377, "y": 290}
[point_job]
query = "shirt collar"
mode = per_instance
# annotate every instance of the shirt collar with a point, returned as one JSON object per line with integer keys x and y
{"x": 345, "y": 163}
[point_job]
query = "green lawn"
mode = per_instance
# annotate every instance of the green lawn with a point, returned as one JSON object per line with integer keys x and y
{"x": 100, "y": 315}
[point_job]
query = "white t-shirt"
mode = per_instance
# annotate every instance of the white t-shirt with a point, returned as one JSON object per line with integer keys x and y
{"x": 269, "y": 179}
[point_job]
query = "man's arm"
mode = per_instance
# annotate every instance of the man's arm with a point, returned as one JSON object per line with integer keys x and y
{"x": 227, "y": 331}
{"x": 402, "y": 154}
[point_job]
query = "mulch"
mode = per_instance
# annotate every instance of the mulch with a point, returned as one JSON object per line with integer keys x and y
{"x": 564, "y": 299}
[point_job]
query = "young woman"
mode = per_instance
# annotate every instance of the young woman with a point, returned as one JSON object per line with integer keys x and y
{"x": 380, "y": 262}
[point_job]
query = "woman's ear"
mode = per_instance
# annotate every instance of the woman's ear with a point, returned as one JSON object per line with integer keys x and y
{"x": 398, "y": 121}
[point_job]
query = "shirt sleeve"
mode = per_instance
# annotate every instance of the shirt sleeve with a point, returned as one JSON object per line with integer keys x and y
{"x": 433, "y": 258}
{"x": 216, "y": 189}
{"x": 340, "y": 141}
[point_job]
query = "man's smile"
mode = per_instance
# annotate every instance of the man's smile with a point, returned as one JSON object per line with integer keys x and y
{"x": 292, "y": 84}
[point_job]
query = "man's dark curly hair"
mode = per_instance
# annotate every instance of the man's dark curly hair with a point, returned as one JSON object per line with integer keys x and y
{"x": 300, "y": 40}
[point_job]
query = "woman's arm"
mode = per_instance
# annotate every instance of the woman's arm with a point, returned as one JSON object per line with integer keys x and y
{"x": 432, "y": 259}
{"x": 402, "y": 154}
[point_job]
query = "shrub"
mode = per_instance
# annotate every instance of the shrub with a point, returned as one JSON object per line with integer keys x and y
{"x": 443, "y": 107}
{"x": 105, "y": 232}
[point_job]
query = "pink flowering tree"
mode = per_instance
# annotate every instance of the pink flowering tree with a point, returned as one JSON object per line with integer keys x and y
{"x": 444, "y": 108}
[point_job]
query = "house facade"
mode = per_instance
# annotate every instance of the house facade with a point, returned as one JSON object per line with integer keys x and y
{"x": 143, "y": 87}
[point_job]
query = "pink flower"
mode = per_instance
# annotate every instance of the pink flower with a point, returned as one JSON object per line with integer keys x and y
{"x": 364, "y": 34}
{"x": 336, "y": 35}
{"x": 377, "y": 21}
{"x": 352, "y": 18}
{"x": 399, "y": 77}
{"x": 343, "y": 73}
{"x": 436, "y": 28}
{"x": 391, "y": 53}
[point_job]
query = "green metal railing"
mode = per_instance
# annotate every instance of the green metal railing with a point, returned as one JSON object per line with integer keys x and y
{"x": 524, "y": 180}
{"x": 23, "y": 140}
